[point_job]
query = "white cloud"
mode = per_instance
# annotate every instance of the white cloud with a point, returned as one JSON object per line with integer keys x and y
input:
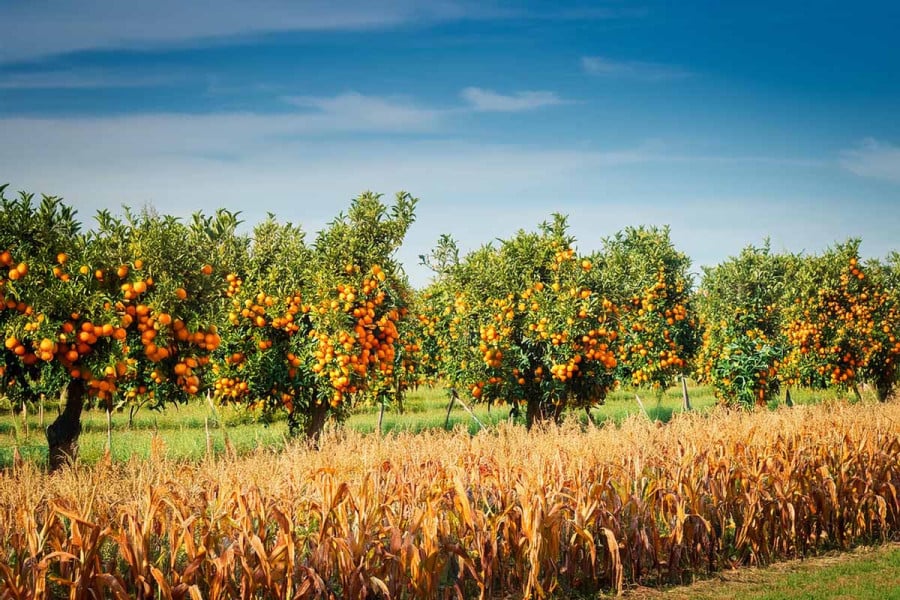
{"x": 235, "y": 135}
{"x": 483, "y": 100}
{"x": 643, "y": 71}
{"x": 51, "y": 27}
{"x": 873, "y": 158}
{"x": 39, "y": 29}
{"x": 357, "y": 111}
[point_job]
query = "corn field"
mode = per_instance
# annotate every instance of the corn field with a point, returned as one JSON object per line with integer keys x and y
{"x": 505, "y": 513}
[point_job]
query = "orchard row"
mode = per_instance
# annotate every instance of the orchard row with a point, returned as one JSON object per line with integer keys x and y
{"x": 147, "y": 308}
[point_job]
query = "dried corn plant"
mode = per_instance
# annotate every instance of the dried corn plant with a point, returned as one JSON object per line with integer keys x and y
{"x": 503, "y": 513}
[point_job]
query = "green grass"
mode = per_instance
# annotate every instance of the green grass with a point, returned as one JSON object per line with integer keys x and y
{"x": 863, "y": 574}
{"x": 183, "y": 428}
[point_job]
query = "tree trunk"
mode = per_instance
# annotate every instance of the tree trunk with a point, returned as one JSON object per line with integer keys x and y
{"x": 883, "y": 389}
{"x": 787, "y": 397}
{"x": 398, "y": 398}
{"x": 62, "y": 434}
{"x": 380, "y": 413}
{"x": 315, "y": 422}
{"x": 532, "y": 412}
{"x": 558, "y": 412}
{"x": 109, "y": 429}
{"x": 449, "y": 408}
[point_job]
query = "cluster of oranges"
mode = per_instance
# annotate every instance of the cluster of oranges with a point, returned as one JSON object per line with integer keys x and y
{"x": 840, "y": 331}
{"x": 347, "y": 357}
{"x": 15, "y": 271}
{"x": 343, "y": 357}
{"x": 234, "y": 285}
{"x": 264, "y": 309}
{"x": 162, "y": 338}
{"x": 271, "y": 317}
{"x": 649, "y": 348}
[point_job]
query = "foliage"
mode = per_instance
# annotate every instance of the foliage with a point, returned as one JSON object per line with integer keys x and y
{"x": 739, "y": 303}
{"x": 843, "y": 321}
{"x": 524, "y": 321}
{"x": 128, "y": 308}
{"x": 312, "y": 327}
{"x": 650, "y": 283}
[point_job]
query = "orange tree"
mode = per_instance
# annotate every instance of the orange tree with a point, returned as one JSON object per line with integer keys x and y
{"x": 33, "y": 239}
{"x": 649, "y": 281}
{"x": 743, "y": 346}
{"x": 522, "y": 322}
{"x": 315, "y": 326}
{"x": 411, "y": 368}
{"x": 127, "y": 310}
{"x": 843, "y": 322}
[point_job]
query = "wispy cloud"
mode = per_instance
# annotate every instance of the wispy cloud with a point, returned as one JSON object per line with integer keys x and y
{"x": 87, "y": 79}
{"x": 40, "y": 29}
{"x": 237, "y": 135}
{"x": 483, "y": 100}
{"x": 582, "y": 13}
{"x": 355, "y": 111}
{"x": 873, "y": 158}
{"x": 629, "y": 69}
{"x": 289, "y": 165}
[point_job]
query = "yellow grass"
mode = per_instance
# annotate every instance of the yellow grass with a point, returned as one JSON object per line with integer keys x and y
{"x": 505, "y": 512}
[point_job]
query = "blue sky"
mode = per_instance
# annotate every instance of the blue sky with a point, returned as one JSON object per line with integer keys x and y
{"x": 729, "y": 123}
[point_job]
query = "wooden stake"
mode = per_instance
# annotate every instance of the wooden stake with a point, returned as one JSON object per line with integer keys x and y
{"x": 685, "y": 399}
{"x": 208, "y": 437}
{"x": 641, "y": 404}
{"x": 468, "y": 410}
{"x": 381, "y": 414}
